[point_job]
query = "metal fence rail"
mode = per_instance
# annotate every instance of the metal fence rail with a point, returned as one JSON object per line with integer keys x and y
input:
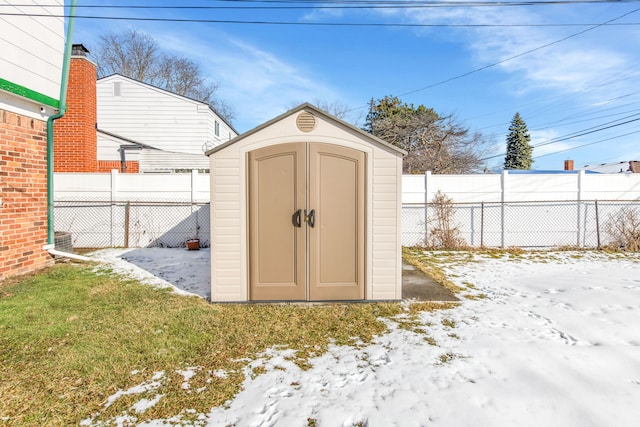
{"x": 586, "y": 223}
{"x": 132, "y": 223}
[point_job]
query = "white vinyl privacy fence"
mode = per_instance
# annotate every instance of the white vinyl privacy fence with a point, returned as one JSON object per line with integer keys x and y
{"x": 493, "y": 210}
{"x": 132, "y": 210}
{"x": 518, "y": 209}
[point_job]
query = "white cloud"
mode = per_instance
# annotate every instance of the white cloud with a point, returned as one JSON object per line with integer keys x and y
{"x": 322, "y": 14}
{"x": 545, "y": 136}
{"x": 572, "y": 66}
{"x": 257, "y": 83}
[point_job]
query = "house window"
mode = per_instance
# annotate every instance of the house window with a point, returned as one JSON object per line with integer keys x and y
{"x": 116, "y": 88}
{"x": 217, "y": 129}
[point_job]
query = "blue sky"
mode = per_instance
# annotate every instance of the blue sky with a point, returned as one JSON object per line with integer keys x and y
{"x": 566, "y": 92}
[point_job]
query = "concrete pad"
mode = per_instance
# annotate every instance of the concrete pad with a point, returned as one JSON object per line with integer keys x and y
{"x": 417, "y": 285}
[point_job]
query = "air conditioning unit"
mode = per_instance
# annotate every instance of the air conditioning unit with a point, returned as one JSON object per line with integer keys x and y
{"x": 63, "y": 242}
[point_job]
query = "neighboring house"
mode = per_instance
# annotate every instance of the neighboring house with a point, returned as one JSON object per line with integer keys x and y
{"x": 632, "y": 166}
{"x": 132, "y": 126}
{"x": 31, "y": 56}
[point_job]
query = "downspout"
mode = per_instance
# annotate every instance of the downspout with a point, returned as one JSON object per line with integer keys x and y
{"x": 61, "y": 110}
{"x": 123, "y": 159}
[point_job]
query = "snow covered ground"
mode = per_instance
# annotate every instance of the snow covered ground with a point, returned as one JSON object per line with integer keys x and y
{"x": 553, "y": 340}
{"x": 187, "y": 272}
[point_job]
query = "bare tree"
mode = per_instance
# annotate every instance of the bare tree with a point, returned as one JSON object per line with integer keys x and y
{"x": 131, "y": 54}
{"x": 335, "y": 108}
{"x": 435, "y": 143}
{"x": 137, "y": 55}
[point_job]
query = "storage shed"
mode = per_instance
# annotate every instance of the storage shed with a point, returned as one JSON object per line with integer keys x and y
{"x": 306, "y": 207}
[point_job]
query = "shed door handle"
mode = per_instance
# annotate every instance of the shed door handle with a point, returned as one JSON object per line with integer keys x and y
{"x": 312, "y": 218}
{"x": 297, "y": 218}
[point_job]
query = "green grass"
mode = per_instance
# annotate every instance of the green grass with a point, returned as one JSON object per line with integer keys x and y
{"x": 71, "y": 337}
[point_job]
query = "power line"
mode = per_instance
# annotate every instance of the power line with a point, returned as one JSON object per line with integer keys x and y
{"x": 367, "y": 4}
{"x": 373, "y": 4}
{"x": 588, "y": 131}
{"x": 322, "y": 24}
{"x": 586, "y": 145}
{"x": 564, "y": 122}
{"x": 519, "y": 54}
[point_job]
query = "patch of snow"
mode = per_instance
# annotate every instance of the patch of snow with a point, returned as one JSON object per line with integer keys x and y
{"x": 187, "y": 374}
{"x": 125, "y": 420}
{"x": 144, "y": 404}
{"x": 144, "y": 387}
{"x": 186, "y": 272}
{"x": 157, "y": 376}
{"x": 220, "y": 373}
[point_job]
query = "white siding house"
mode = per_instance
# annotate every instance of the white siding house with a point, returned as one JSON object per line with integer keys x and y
{"x": 182, "y": 127}
{"x": 31, "y": 51}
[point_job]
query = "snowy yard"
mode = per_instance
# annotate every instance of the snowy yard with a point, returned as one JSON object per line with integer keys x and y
{"x": 553, "y": 339}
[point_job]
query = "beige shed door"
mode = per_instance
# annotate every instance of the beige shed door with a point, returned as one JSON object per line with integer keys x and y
{"x": 306, "y": 222}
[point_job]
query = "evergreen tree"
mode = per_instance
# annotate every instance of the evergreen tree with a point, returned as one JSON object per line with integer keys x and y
{"x": 519, "y": 152}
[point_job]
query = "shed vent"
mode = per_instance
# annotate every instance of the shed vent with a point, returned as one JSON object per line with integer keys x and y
{"x": 306, "y": 122}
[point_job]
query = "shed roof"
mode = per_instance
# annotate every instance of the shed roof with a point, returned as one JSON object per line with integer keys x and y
{"x": 306, "y": 106}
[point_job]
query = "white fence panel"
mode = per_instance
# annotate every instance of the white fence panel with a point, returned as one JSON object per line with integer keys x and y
{"x": 490, "y": 208}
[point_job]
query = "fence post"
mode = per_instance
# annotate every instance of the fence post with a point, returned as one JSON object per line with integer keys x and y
{"x": 503, "y": 195}
{"x": 114, "y": 198}
{"x": 194, "y": 180}
{"x": 597, "y": 224}
{"x": 427, "y": 195}
{"x": 580, "y": 184}
{"x": 481, "y": 225}
{"x": 126, "y": 224}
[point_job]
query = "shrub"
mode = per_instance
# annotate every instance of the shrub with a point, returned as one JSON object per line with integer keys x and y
{"x": 443, "y": 233}
{"x": 623, "y": 228}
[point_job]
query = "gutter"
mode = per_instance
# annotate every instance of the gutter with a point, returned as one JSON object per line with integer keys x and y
{"x": 50, "y": 247}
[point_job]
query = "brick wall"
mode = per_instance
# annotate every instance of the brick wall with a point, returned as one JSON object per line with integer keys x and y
{"x": 75, "y": 140}
{"x": 23, "y": 194}
{"x": 108, "y": 165}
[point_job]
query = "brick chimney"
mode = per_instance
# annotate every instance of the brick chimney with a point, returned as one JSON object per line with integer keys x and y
{"x": 568, "y": 165}
{"x": 75, "y": 139}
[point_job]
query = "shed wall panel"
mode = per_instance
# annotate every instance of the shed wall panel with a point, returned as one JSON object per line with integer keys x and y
{"x": 226, "y": 280}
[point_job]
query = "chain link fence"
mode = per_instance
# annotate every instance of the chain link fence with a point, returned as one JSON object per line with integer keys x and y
{"x": 132, "y": 223}
{"x": 588, "y": 224}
